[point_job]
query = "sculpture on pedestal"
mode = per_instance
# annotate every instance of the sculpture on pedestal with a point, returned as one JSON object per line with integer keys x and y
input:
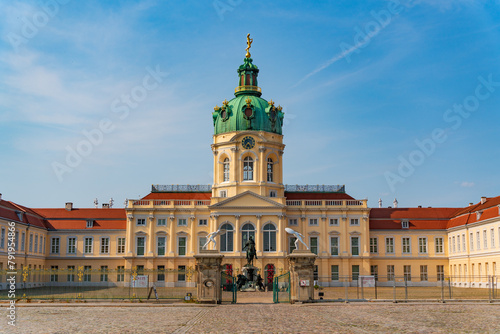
{"x": 251, "y": 253}
{"x": 211, "y": 238}
{"x": 298, "y": 237}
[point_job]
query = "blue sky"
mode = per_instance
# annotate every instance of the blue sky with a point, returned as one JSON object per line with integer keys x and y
{"x": 372, "y": 94}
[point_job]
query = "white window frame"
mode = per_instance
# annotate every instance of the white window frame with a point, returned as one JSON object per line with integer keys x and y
{"x": 358, "y": 246}
{"x": 439, "y": 245}
{"x": 331, "y": 245}
{"x": 406, "y": 247}
{"x": 424, "y": 247}
{"x": 405, "y": 224}
{"x": 387, "y": 245}
{"x": 91, "y": 245}
{"x": 184, "y": 220}
{"x": 30, "y": 249}
{"x": 223, "y": 193}
{"x": 55, "y": 246}
{"x": 226, "y": 170}
{"x": 137, "y": 237}
{"x": 164, "y": 237}
{"x": 185, "y": 245}
{"x": 485, "y": 239}
{"x": 118, "y": 246}
{"x": 90, "y": 223}
{"x": 317, "y": 243}
{"x": 273, "y": 193}
{"x": 202, "y": 240}
{"x": 35, "y": 244}
{"x": 104, "y": 245}
{"x": 492, "y": 237}
{"x": 68, "y": 245}
{"x": 333, "y": 222}
{"x": 140, "y": 222}
{"x": 293, "y": 222}
{"x": 23, "y": 241}
{"x": 354, "y": 222}
{"x": 374, "y": 245}
{"x": 204, "y": 220}
{"x": 313, "y": 222}
{"x": 161, "y": 222}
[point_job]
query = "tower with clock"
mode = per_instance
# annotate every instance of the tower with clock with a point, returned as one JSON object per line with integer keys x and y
{"x": 248, "y": 141}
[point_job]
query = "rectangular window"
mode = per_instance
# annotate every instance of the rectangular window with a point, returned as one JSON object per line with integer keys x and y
{"x": 440, "y": 273}
{"x": 140, "y": 270}
{"x": 182, "y": 246}
{"x": 439, "y": 245}
{"x": 90, "y": 223}
{"x": 478, "y": 239}
{"x": 374, "y": 272}
{"x": 182, "y": 222}
{"x": 23, "y": 238}
{"x": 181, "y": 274}
{"x": 334, "y": 222}
{"x": 313, "y": 221}
{"x": 161, "y": 222}
{"x": 293, "y": 222}
{"x": 335, "y": 272}
{"x": 354, "y": 221}
{"x": 88, "y": 245}
{"x": 104, "y": 245}
{"x": 458, "y": 243}
{"x": 407, "y": 273}
{"x": 355, "y": 272}
{"x": 141, "y": 245}
{"x": 485, "y": 240}
{"x": 334, "y": 246}
{"x": 2, "y": 238}
{"x": 201, "y": 242}
{"x": 273, "y": 193}
{"x": 160, "y": 249}
{"x": 72, "y": 245}
{"x": 315, "y": 273}
{"x": 16, "y": 247}
{"x": 30, "y": 244}
{"x": 161, "y": 274}
{"x": 223, "y": 193}
{"x": 36, "y": 243}
{"x": 373, "y": 245}
{"x": 203, "y": 222}
{"x": 291, "y": 244}
{"x": 463, "y": 243}
{"x": 453, "y": 244}
{"x": 54, "y": 245}
{"x": 389, "y": 245}
{"x": 354, "y": 246}
{"x": 104, "y": 274}
{"x": 492, "y": 237}
{"x": 405, "y": 224}
{"x": 87, "y": 273}
{"x": 120, "y": 273}
{"x": 313, "y": 244}
{"x": 120, "y": 245}
{"x": 471, "y": 241}
{"x": 422, "y": 245}
{"x": 141, "y": 221}
{"x": 54, "y": 277}
{"x": 71, "y": 273}
{"x": 406, "y": 245}
{"x": 423, "y": 273}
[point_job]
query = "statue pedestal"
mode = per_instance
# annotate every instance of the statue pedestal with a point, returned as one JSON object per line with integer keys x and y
{"x": 250, "y": 272}
{"x": 208, "y": 271}
{"x": 302, "y": 275}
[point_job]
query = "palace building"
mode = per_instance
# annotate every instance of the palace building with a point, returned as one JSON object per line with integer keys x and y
{"x": 165, "y": 229}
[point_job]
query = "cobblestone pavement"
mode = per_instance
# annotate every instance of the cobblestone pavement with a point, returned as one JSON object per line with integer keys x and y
{"x": 257, "y": 318}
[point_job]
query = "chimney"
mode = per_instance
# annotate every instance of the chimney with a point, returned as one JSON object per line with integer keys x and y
{"x": 0, "y": 196}
{"x": 483, "y": 199}
{"x": 105, "y": 205}
{"x": 471, "y": 204}
{"x": 420, "y": 207}
{"x": 69, "y": 206}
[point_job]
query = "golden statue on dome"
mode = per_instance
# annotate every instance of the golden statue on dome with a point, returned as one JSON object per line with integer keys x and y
{"x": 249, "y": 44}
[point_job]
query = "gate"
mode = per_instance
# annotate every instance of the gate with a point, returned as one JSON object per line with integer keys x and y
{"x": 281, "y": 288}
{"x": 227, "y": 288}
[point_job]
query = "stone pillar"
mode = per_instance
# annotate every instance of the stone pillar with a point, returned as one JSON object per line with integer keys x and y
{"x": 301, "y": 264}
{"x": 208, "y": 276}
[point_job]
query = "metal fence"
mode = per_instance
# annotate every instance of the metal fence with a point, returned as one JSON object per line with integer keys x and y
{"x": 405, "y": 288}
{"x": 82, "y": 284}
{"x": 281, "y": 288}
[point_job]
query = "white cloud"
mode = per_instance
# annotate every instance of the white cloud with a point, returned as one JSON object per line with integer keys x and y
{"x": 466, "y": 184}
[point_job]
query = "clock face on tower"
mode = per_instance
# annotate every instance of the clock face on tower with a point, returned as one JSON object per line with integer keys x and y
{"x": 248, "y": 142}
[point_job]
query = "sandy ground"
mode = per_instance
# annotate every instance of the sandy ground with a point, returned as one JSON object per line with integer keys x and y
{"x": 250, "y": 317}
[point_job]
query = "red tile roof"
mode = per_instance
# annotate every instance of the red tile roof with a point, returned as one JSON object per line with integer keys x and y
{"x": 419, "y": 218}
{"x": 178, "y": 195}
{"x": 81, "y": 224}
{"x": 82, "y": 213}
{"x": 315, "y": 195}
{"x": 8, "y": 212}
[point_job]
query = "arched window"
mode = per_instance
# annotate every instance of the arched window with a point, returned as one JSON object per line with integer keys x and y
{"x": 269, "y": 170}
{"x": 247, "y": 231}
{"x": 247, "y": 169}
{"x": 269, "y": 238}
{"x": 226, "y": 169}
{"x": 226, "y": 240}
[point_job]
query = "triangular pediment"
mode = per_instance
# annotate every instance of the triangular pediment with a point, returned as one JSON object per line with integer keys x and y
{"x": 247, "y": 199}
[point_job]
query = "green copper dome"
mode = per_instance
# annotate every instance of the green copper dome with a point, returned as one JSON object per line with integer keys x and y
{"x": 248, "y": 111}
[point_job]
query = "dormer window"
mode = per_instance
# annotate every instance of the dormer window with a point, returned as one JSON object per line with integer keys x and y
{"x": 478, "y": 215}
{"x": 90, "y": 223}
{"x": 405, "y": 224}
{"x": 19, "y": 215}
